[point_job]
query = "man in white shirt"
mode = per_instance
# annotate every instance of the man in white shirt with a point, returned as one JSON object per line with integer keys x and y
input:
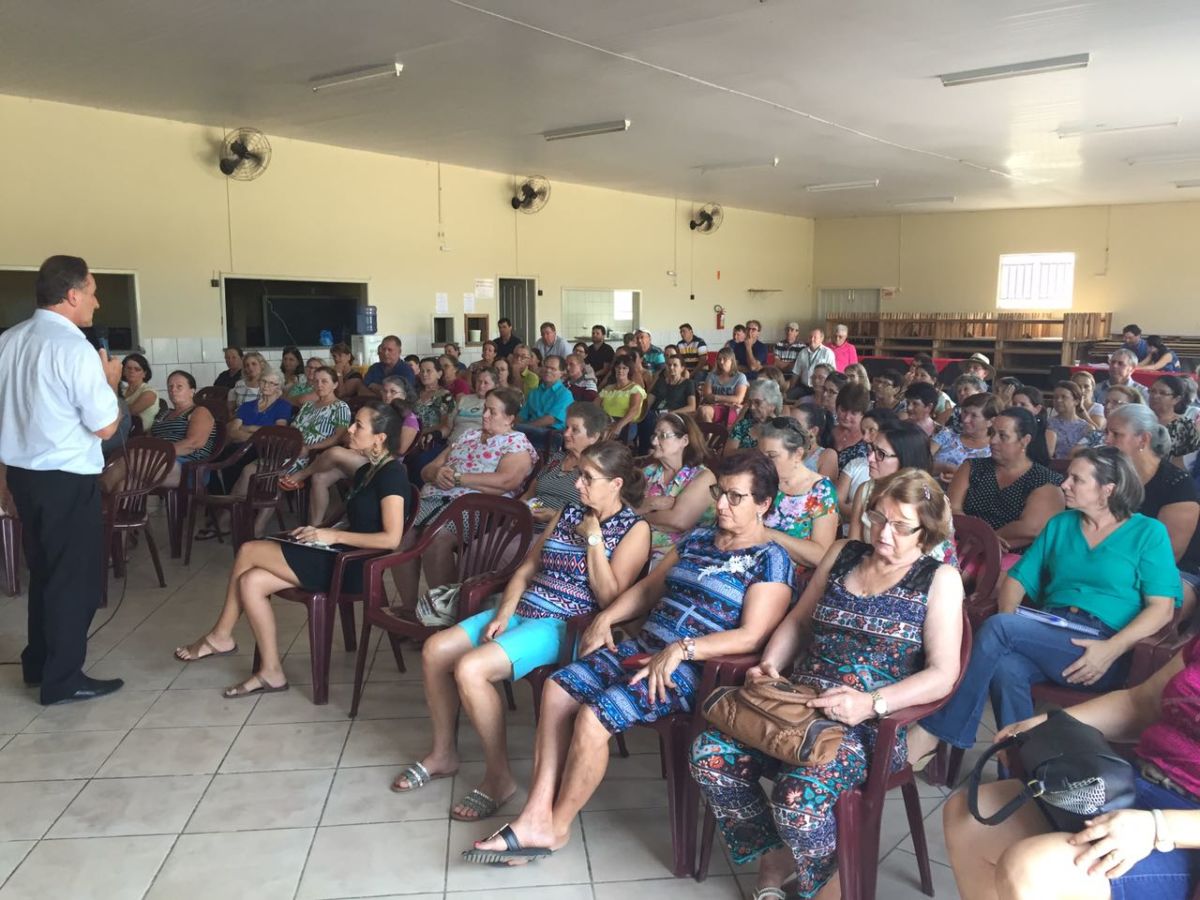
{"x": 811, "y": 355}
{"x": 551, "y": 344}
{"x": 57, "y": 402}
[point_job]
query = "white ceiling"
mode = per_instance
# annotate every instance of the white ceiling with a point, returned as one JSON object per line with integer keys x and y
{"x": 840, "y": 90}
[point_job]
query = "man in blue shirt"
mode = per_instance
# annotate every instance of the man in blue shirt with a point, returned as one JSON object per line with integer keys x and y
{"x": 389, "y": 363}
{"x": 751, "y": 353}
{"x": 652, "y": 357}
{"x": 1133, "y": 341}
{"x": 551, "y": 343}
{"x": 545, "y": 409}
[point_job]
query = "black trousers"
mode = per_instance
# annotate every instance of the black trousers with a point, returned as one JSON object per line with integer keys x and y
{"x": 64, "y": 543}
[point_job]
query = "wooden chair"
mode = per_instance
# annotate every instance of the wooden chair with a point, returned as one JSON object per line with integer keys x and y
{"x": 147, "y": 461}
{"x": 492, "y": 536}
{"x": 859, "y": 813}
{"x": 178, "y": 498}
{"x": 10, "y": 541}
{"x": 324, "y": 604}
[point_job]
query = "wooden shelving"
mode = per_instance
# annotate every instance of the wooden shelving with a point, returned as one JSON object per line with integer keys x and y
{"x": 1017, "y": 343}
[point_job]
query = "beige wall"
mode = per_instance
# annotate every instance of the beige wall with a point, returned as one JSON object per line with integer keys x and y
{"x": 1138, "y": 261}
{"x": 144, "y": 195}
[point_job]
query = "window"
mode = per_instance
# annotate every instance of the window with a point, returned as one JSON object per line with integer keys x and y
{"x": 616, "y": 310}
{"x": 1035, "y": 281}
{"x": 272, "y": 313}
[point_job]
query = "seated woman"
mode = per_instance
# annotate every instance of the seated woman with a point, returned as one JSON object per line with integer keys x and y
{"x": 350, "y": 380}
{"x": 804, "y": 518}
{"x": 857, "y": 472}
{"x": 678, "y": 484}
{"x": 764, "y": 401}
{"x": 1099, "y": 565}
{"x": 141, "y": 399}
{"x": 494, "y": 459}
{"x": 556, "y": 484}
{"x": 925, "y": 372}
{"x": 920, "y": 404}
{"x": 591, "y": 552}
{"x": 964, "y": 386}
{"x": 721, "y": 591}
{"x": 375, "y": 513}
{"x": 1118, "y": 395}
{"x": 1006, "y": 385}
{"x": 1013, "y": 494}
{"x": 856, "y": 373}
{"x": 879, "y": 628}
{"x": 827, "y": 398}
{"x": 432, "y": 404}
{"x": 321, "y": 421}
{"x": 624, "y": 399}
{"x": 468, "y": 411}
{"x": 452, "y": 379}
{"x": 1068, "y": 419}
{"x": 1044, "y": 443}
{"x": 1093, "y": 411}
{"x": 1161, "y": 358}
{"x": 896, "y": 446}
{"x": 673, "y": 392}
{"x": 852, "y": 401}
{"x": 1167, "y": 399}
{"x": 972, "y": 441}
{"x": 302, "y": 391}
{"x": 246, "y": 389}
{"x": 885, "y": 387}
{"x": 291, "y": 367}
{"x": 724, "y": 390}
{"x": 189, "y": 427}
{"x": 487, "y": 359}
{"x": 815, "y": 421}
{"x": 1151, "y": 850}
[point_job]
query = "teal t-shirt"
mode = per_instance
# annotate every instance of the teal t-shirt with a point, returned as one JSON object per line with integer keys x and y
{"x": 1111, "y": 580}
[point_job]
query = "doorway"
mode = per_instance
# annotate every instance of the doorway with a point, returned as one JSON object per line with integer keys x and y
{"x": 518, "y": 303}
{"x": 832, "y": 302}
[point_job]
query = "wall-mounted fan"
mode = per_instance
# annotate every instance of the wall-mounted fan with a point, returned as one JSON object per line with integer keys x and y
{"x": 245, "y": 154}
{"x": 707, "y": 218}
{"x": 532, "y": 194}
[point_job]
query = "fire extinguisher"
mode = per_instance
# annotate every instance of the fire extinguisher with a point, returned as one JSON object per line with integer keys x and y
{"x": 720, "y": 311}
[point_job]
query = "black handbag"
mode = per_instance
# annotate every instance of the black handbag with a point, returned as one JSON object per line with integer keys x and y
{"x": 1070, "y": 770}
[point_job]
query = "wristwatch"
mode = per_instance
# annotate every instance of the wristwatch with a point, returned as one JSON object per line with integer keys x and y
{"x": 689, "y": 647}
{"x": 879, "y": 704}
{"x": 1162, "y": 836}
{"x": 594, "y": 540}
{"x": 458, "y": 479}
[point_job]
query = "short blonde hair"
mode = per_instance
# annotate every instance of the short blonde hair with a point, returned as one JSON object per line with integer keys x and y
{"x": 920, "y": 490}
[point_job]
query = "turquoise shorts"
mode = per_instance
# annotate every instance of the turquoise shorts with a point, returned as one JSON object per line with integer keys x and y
{"x": 528, "y": 643}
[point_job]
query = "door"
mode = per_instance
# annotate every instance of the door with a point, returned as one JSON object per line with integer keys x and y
{"x": 832, "y": 302}
{"x": 518, "y": 299}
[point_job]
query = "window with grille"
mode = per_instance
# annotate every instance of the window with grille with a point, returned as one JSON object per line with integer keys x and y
{"x": 1035, "y": 281}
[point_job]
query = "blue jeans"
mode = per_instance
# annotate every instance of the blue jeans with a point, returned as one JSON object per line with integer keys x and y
{"x": 1011, "y": 655}
{"x": 645, "y": 429}
{"x": 1163, "y": 876}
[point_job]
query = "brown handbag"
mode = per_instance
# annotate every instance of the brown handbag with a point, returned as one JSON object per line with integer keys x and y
{"x": 770, "y": 715}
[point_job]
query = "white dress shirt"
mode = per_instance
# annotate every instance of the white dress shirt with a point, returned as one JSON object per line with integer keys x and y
{"x": 53, "y": 397}
{"x": 808, "y": 359}
{"x": 558, "y": 348}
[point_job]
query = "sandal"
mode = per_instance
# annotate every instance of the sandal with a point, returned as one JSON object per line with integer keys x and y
{"x": 194, "y": 654}
{"x": 207, "y": 534}
{"x": 513, "y": 854}
{"x": 480, "y": 804}
{"x": 417, "y": 777}
{"x": 241, "y": 690}
{"x": 287, "y": 483}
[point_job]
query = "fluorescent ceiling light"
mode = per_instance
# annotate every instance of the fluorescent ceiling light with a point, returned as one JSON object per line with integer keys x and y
{"x": 343, "y": 78}
{"x": 924, "y": 201}
{"x": 1156, "y": 159}
{"x": 562, "y": 134}
{"x": 1015, "y": 70}
{"x": 1105, "y": 128}
{"x": 842, "y": 186}
{"x": 771, "y": 163}
{"x": 1191, "y": 183}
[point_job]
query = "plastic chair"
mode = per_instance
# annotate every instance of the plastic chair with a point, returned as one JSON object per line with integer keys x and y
{"x": 190, "y": 484}
{"x": 426, "y": 440}
{"x": 322, "y": 605}
{"x": 859, "y": 812}
{"x": 492, "y": 535}
{"x": 583, "y": 395}
{"x": 715, "y": 438}
{"x": 10, "y": 539}
{"x": 276, "y": 448}
{"x": 978, "y": 550}
{"x": 147, "y": 462}
{"x": 216, "y": 401}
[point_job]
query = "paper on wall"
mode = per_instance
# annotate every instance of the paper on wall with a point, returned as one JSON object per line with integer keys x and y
{"x": 441, "y": 303}
{"x": 485, "y": 288}
{"x": 468, "y": 303}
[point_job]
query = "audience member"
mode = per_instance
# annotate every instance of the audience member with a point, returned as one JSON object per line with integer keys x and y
{"x": 804, "y": 517}
{"x": 507, "y": 342}
{"x": 432, "y": 403}
{"x": 624, "y": 399}
{"x": 813, "y": 354}
{"x": 1009, "y": 383}
{"x": 1132, "y": 340}
{"x": 592, "y": 551}
{"x": 468, "y": 412}
{"x": 816, "y": 422}
{"x": 1161, "y": 358}
{"x": 303, "y": 391}
{"x": 545, "y": 410}
{"x": 350, "y": 380}
{"x": 138, "y": 395}
{"x": 1030, "y": 398}
{"x": 832, "y": 386}
{"x": 856, "y": 373}
{"x": 390, "y": 363}
{"x": 926, "y": 373}
{"x": 692, "y": 348}
{"x": 736, "y": 581}
{"x": 375, "y": 511}
{"x": 886, "y": 387}
{"x": 451, "y": 378}
{"x": 504, "y": 374}
{"x": 673, "y": 392}
{"x": 787, "y": 348}
{"x": 724, "y": 390}
{"x": 1121, "y": 364}
{"x": 857, "y": 472}
{"x": 1118, "y": 396}
{"x": 253, "y": 367}
{"x": 189, "y": 427}
{"x": 1015, "y": 495}
{"x": 677, "y": 483}
{"x": 878, "y": 628}
{"x": 487, "y": 359}
{"x": 321, "y": 421}
{"x": 1068, "y": 421}
{"x": 816, "y": 386}
{"x": 653, "y": 358}
{"x": 453, "y": 351}
{"x": 579, "y": 375}
{"x": 600, "y": 353}
{"x": 291, "y": 367}
{"x": 556, "y": 484}
{"x": 233, "y": 369}
{"x": 920, "y": 403}
{"x": 1169, "y": 404}
{"x": 551, "y": 343}
{"x": 763, "y": 402}
{"x": 524, "y": 372}
{"x": 628, "y": 340}
{"x": 852, "y": 401}
{"x": 1092, "y": 409}
{"x": 844, "y": 353}
{"x": 976, "y": 413}
{"x": 979, "y": 366}
{"x": 1099, "y": 565}
{"x": 964, "y": 386}
{"x": 751, "y": 353}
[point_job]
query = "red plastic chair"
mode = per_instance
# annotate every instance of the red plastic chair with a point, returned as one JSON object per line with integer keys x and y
{"x": 859, "y": 812}
{"x": 10, "y": 540}
{"x": 216, "y": 401}
{"x": 147, "y": 461}
{"x": 276, "y": 448}
{"x": 583, "y": 395}
{"x": 978, "y": 550}
{"x": 323, "y": 604}
{"x": 492, "y": 535}
{"x": 178, "y": 499}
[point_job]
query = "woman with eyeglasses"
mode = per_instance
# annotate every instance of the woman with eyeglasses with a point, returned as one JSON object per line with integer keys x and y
{"x": 677, "y": 483}
{"x": 804, "y": 519}
{"x": 857, "y": 472}
{"x": 827, "y": 398}
{"x": 721, "y": 591}
{"x": 952, "y": 449}
{"x": 589, "y": 554}
{"x": 1118, "y": 395}
{"x": 1168, "y": 403}
{"x": 764, "y": 401}
{"x": 878, "y": 628}
{"x": 886, "y": 388}
{"x": 1102, "y": 567}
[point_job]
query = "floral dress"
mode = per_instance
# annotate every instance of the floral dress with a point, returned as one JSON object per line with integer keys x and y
{"x": 433, "y": 409}
{"x": 952, "y": 451}
{"x": 743, "y": 433}
{"x": 794, "y": 515}
{"x": 1070, "y": 432}
{"x": 316, "y": 423}
{"x": 661, "y": 538}
{"x": 472, "y": 454}
{"x": 862, "y": 642}
{"x": 1184, "y": 437}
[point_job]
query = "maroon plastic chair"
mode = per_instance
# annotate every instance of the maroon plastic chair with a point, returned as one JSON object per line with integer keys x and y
{"x": 216, "y": 401}
{"x": 276, "y": 448}
{"x": 147, "y": 461}
{"x": 859, "y": 813}
{"x": 323, "y": 605}
{"x": 426, "y": 439}
{"x": 978, "y": 550}
{"x": 178, "y": 499}
{"x": 492, "y": 536}
{"x": 716, "y": 436}
{"x": 10, "y": 540}
{"x": 583, "y": 395}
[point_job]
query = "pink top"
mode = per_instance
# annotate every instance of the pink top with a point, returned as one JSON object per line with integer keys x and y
{"x": 845, "y": 355}
{"x": 1173, "y": 742}
{"x": 459, "y": 388}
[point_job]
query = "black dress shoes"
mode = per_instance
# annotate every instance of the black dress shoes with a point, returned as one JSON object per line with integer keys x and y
{"x": 89, "y": 689}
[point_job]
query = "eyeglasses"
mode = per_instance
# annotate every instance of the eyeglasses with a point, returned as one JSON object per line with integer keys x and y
{"x": 589, "y": 479}
{"x": 879, "y": 453}
{"x": 734, "y": 497}
{"x": 663, "y": 435}
{"x": 903, "y": 529}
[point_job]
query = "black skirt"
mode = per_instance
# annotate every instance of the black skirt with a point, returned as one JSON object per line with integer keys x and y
{"x": 314, "y": 568}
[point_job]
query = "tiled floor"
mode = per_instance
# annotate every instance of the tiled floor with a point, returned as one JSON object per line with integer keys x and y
{"x": 166, "y": 790}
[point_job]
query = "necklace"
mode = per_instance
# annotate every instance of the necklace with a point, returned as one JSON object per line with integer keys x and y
{"x": 375, "y": 467}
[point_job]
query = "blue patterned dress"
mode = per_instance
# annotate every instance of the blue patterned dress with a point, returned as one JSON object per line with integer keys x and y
{"x": 704, "y": 595}
{"x": 861, "y": 642}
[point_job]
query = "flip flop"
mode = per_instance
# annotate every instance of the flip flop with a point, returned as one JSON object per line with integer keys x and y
{"x": 479, "y": 803}
{"x": 203, "y": 642}
{"x": 514, "y": 854}
{"x": 417, "y": 777}
{"x": 288, "y": 484}
{"x": 240, "y": 690}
